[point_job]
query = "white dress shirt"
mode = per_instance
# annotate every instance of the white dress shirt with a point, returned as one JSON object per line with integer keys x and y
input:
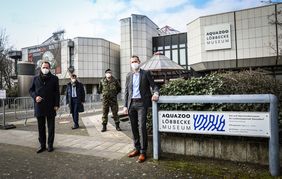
{"x": 73, "y": 92}
{"x": 136, "y": 85}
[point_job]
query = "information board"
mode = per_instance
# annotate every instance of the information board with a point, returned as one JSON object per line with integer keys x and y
{"x": 254, "y": 124}
{"x": 2, "y": 94}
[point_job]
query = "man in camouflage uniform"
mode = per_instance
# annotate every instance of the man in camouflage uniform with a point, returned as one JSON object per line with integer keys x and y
{"x": 109, "y": 87}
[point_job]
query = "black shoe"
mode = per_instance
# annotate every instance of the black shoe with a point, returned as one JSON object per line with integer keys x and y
{"x": 41, "y": 149}
{"x": 104, "y": 128}
{"x": 75, "y": 127}
{"x": 117, "y": 127}
{"x": 50, "y": 149}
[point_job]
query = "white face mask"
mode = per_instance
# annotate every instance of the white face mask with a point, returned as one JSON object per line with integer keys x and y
{"x": 45, "y": 71}
{"x": 73, "y": 80}
{"x": 108, "y": 75}
{"x": 135, "y": 66}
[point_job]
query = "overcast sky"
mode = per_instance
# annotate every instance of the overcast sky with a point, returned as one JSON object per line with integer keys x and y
{"x": 30, "y": 22}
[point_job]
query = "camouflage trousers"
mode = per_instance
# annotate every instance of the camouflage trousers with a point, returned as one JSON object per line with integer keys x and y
{"x": 114, "y": 108}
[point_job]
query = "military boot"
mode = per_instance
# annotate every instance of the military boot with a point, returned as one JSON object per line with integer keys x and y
{"x": 117, "y": 127}
{"x": 104, "y": 128}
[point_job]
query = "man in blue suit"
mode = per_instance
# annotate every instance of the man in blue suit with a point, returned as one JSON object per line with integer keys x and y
{"x": 45, "y": 93}
{"x": 75, "y": 97}
{"x": 137, "y": 99}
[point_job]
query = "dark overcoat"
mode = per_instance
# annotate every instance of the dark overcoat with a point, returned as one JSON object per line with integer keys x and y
{"x": 48, "y": 89}
{"x": 80, "y": 92}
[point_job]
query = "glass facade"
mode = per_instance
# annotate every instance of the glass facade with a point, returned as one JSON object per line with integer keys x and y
{"x": 172, "y": 46}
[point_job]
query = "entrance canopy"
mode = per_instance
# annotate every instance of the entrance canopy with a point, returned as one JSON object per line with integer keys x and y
{"x": 163, "y": 68}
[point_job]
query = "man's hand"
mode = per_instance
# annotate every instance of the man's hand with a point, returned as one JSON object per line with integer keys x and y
{"x": 155, "y": 97}
{"x": 56, "y": 108}
{"x": 125, "y": 110}
{"x": 38, "y": 99}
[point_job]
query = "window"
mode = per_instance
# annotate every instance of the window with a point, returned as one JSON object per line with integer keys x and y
{"x": 175, "y": 55}
{"x": 160, "y": 48}
{"x": 167, "y": 53}
{"x": 167, "y": 47}
{"x": 174, "y": 46}
{"x": 181, "y": 45}
{"x": 182, "y": 53}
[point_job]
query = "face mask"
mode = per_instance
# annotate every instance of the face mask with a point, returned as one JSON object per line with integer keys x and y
{"x": 73, "y": 80}
{"x": 108, "y": 75}
{"x": 44, "y": 71}
{"x": 134, "y": 66}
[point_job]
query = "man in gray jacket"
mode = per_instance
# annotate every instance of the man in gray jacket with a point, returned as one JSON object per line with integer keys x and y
{"x": 137, "y": 99}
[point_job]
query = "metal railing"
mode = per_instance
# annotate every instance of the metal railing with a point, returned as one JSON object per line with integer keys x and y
{"x": 24, "y": 108}
{"x": 20, "y": 108}
{"x": 274, "y": 162}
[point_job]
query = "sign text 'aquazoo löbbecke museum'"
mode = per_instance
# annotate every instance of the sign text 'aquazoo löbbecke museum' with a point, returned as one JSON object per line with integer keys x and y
{"x": 254, "y": 124}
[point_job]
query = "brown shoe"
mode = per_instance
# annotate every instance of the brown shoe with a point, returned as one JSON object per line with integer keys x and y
{"x": 133, "y": 153}
{"x": 141, "y": 158}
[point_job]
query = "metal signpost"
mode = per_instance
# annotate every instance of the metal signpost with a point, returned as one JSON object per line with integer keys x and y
{"x": 3, "y": 97}
{"x": 254, "y": 124}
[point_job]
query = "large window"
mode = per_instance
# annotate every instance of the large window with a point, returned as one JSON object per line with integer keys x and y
{"x": 167, "y": 53}
{"x": 182, "y": 56}
{"x": 172, "y": 46}
{"x": 175, "y": 55}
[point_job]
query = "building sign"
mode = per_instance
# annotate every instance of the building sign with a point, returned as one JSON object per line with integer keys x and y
{"x": 217, "y": 37}
{"x": 2, "y": 94}
{"x": 254, "y": 124}
{"x": 50, "y": 52}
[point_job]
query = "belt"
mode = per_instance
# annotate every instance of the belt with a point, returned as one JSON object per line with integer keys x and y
{"x": 136, "y": 100}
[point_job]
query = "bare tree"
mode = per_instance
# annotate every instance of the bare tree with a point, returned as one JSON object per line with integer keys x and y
{"x": 6, "y": 64}
{"x": 275, "y": 19}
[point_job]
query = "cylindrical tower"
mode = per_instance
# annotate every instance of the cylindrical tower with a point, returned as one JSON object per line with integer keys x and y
{"x": 26, "y": 71}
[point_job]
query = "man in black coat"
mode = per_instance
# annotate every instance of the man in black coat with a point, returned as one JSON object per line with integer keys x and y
{"x": 45, "y": 92}
{"x": 137, "y": 99}
{"x": 75, "y": 96}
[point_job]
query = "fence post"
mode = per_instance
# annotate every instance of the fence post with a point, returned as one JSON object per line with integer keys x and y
{"x": 156, "y": 134}
{"x": 274, "y": 163}
{"x": 4, "y": 120}
{"x": 25, "y": 112}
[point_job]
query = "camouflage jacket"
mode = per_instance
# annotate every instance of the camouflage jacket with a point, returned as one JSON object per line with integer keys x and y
{"x": 109, "y": 89}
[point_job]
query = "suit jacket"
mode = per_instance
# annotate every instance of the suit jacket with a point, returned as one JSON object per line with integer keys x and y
{"x": 146, "y": 82}
{"x": 80, "y": 94}
{"x": 48, "y": 89}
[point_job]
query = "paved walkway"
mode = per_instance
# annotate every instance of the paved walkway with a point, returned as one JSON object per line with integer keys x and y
{"x": 111, "y": 144}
